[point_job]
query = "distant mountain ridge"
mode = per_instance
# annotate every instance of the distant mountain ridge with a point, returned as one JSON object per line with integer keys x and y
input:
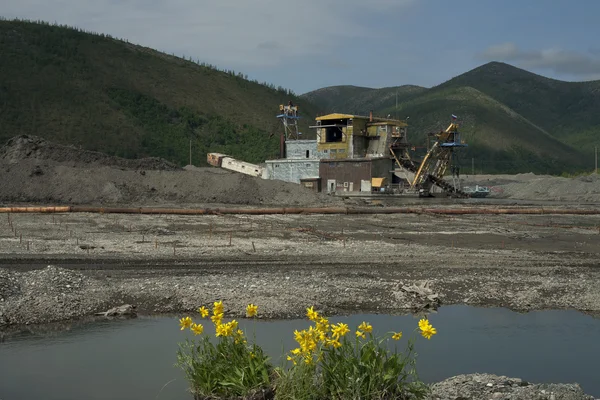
{"x": 514, "y": 120}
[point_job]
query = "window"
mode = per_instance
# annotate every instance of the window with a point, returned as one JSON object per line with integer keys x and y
{"x": 333, "y": 134}
{"x": 308, "y": 165}
{"x": 307, "y": 153}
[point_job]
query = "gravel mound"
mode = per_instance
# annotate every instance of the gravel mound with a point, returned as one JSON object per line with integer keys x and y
{"x": 584, "y": 189}
{"x": 486, "y": 386}
{"x": 54, "y": 281}
{"x": 33, "y": 170}
{"x": 35, "y": 148}
{"x": 51, "y": 294}
{"x": 9, "y": 285}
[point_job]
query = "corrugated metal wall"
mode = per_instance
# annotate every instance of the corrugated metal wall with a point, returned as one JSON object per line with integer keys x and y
{"x": 344, "y": 173}
{"x": 353, "y": 171}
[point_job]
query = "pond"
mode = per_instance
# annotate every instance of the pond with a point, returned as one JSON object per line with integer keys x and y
{"x": 134, "y": 359}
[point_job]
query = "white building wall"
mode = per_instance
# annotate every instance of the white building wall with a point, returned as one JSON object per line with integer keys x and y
{"x": 292, "y": 170}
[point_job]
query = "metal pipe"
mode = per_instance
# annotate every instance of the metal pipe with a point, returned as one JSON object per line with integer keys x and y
{"x": 35, "y": 209}
{"x": 301, "y": 210}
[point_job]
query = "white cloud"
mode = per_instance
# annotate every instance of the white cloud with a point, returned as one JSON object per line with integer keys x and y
{"x": 560, "y": 61}
{"x": 246, "y": 33}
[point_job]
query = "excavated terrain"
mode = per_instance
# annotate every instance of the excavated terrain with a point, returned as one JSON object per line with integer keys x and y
{"x": 285, "y": 262}
{"x": 33, "y": 170}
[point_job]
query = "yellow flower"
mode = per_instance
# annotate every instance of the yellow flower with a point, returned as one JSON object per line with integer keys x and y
{"x": 365, "y": 327}
{"x": 225, "y": 329}
{"x": 217, "y": 318}
{"x": 240, "y": 332}
{"x": 234, "y": 325}
{"x": 197, "y": 329}
{"x": 397, "y": 336}
{"x": 292, "y": 360}
{"x": 423, "y": 323}
{"x": 185, "y": 322}
{"x": 251, "y": 310}
{"x": 296, "y": 351}
{"x": 218, "y": 307}
{"x": 360, "y": 334}
{"x": 428, "y": 331}
{"x": 203, "y": 312}
{"x": 339, "y": 330}
{"x": 312, "y": 314}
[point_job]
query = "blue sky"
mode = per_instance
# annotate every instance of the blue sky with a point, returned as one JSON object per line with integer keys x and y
{"x": 305, "y": 45}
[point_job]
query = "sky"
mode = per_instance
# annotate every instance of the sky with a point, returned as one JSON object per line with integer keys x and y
{"x": 309, "y": 44}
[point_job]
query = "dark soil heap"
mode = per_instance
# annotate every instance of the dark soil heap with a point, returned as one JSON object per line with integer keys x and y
{"x": 35, "y": 148}
{"x": 36, "y": 171}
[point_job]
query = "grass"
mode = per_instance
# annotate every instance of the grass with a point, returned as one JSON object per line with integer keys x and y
{"x": 330, "y": 362}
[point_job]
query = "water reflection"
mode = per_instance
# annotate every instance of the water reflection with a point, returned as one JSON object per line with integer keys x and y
{"x": 133, "y": 359}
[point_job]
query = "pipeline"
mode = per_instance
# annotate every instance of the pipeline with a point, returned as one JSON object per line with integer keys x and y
{"x": 302, "y": 210}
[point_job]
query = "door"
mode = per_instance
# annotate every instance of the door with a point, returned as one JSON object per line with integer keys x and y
{"x": 351, "y": 187}
{"x": 330, "y": 185}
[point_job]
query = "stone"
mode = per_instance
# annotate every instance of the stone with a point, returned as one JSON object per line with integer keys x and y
{"x": 123, "y": 310}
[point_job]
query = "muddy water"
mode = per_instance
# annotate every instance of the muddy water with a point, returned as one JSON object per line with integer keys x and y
{"x": 134, "y": 359}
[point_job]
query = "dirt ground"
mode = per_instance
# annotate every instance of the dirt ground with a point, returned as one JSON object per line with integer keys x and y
{"x": 283, "y": 263}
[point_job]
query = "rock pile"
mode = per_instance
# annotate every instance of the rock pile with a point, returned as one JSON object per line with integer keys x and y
{"x": 53, "y": 281}
{"x": 9, "y": 285}
{"x": 486, "y": 386}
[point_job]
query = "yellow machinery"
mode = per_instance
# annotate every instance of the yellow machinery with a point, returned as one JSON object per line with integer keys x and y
{"x": 433, "y": 167}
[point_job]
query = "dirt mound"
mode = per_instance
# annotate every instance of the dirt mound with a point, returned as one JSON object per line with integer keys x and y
{"x": 582, "y": 189}
{"x": 35, "y": 148}
{"x": 33, "y": 170}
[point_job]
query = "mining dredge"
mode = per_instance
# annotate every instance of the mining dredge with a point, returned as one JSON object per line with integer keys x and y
{"x": 351, "y": 153}
{"x": 435, "y": 163}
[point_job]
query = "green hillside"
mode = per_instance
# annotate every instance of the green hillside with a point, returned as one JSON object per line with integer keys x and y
{"x": 108, "y": 95}
{"x": 499, "y": 139}
{"x": 359, "y": 100}
{"x": 567, "y": 110}
{"x": 513, "y": 120}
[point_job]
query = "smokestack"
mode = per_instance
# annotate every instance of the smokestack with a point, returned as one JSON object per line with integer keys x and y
{"x": 371, "y": 116}
{"x": 282, "y": 146}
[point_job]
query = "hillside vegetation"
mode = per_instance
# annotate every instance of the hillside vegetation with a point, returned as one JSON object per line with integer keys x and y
{"x": 107, "y": 95}
{"x": 359, "y": 100}
{"x": 513, "y": 120}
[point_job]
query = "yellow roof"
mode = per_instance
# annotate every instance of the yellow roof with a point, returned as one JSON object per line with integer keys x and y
{"x": 335, "y": 116}
{"x": 349, "y": 116}
{"x": 377, "y": 182}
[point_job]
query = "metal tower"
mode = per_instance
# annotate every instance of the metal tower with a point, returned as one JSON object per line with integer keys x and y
{"x": 289, "y": 117}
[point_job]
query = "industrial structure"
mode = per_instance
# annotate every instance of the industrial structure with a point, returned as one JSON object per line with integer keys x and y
{"x": 353, "y": 154}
